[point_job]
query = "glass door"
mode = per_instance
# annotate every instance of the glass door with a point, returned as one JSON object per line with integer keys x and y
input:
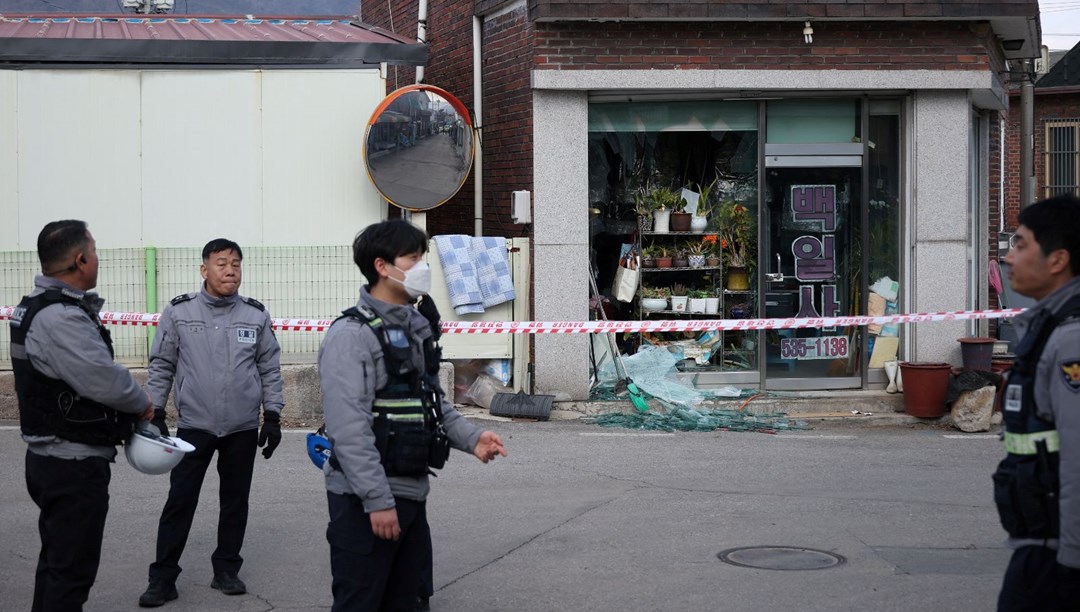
{"x": 812, "y": 262}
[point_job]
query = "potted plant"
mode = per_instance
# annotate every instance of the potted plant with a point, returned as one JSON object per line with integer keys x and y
{"x": 712, "y": 304}
{"x": 680, "y": 217}
{"x": 737, "y": 240}
{"x": 697, "y": 300}
{"x": 678, "y": 297}
{"x": 700, "y": 219}
{"x": 653, "y": 299}
{"x": 713, "y": 254}
{"x": 662, "y": 201}
{"x": 680, "y": 259}
{"x": 663, "y": 257}
{"x": 695, "y": 252}
{"x": 648, "y": 256}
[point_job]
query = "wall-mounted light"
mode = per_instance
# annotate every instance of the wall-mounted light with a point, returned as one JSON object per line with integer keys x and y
{"x": 808, "y": 33}
{"x": 1014, "y": 44}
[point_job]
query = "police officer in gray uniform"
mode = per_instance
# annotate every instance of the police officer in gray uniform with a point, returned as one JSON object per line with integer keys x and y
{"x": 386, "y": 419}
{"x": 62, "y": 357}
{"x": 1037, "y": 485}
{"x": 219, "y": 352}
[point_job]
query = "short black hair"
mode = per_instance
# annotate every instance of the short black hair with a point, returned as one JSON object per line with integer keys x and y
{"x": 1055, "y": 223}
{"x": 58, "y": 241}
{"x": 218, "y": 245}
{"x": 387, "y": 241}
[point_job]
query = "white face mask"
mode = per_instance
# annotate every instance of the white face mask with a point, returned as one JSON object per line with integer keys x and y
{"x": 417, "y": 279}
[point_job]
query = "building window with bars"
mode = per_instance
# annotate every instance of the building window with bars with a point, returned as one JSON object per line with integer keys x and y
{"x": 1061, "y": 160}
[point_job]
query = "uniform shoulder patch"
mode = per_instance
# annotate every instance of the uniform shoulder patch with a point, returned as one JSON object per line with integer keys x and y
{"x": 255, "y": 303}
{"x": 1070, "y": 374}
{"x": 183, "y": 297}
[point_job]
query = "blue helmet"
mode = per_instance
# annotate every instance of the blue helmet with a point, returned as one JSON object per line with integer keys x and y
{"x": 318, "y": 448}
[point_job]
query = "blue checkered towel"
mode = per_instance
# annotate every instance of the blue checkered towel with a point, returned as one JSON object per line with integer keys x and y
{"x": 477, "y": 271}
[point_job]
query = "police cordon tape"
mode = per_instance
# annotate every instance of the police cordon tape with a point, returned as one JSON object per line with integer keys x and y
{"x": 593, "y": 327}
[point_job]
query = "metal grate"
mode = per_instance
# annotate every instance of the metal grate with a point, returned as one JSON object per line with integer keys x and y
{"x": 309, "y": 282}
{"x": 1062, "y": 162}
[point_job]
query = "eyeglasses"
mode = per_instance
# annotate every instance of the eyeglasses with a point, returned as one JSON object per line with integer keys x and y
{"x": 1013, "y": 240}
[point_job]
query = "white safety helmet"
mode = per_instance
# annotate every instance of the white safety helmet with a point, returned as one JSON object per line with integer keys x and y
{"x": 152, "y": 453}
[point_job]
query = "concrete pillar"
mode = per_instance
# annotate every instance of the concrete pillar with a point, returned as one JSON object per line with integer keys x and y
{"x": 561, "y": 239}
{"x": 939, "y": 219}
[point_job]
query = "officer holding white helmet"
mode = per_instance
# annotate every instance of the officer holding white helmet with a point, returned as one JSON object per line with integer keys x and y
{"x": 75, "y": 405}
{"x": 218, "y": 349}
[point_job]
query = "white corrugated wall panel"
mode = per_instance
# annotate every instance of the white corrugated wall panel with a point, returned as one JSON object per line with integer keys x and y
{"x": 9, "y": 162}
{"x": 315, "y": 188}
{"x": 78, "y": 151}
{"x": 202, "y": 158}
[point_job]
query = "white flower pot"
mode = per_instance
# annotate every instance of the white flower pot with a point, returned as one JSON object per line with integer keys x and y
{"x": 712, "y": 305}
{"x": 678, "y": 303}
{"x": 653, "y": 304}
{"x": 697, "y": 261}
{"x": 698, "y": 224}
{"x": 661, "y": 221}
{"x": 697, "y": 304}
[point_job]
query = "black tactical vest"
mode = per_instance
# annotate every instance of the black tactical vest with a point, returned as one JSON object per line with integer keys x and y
{"x": 1026, "y": 482}
{"x": 408, "y": 415}
{"x": 50, "y": 407}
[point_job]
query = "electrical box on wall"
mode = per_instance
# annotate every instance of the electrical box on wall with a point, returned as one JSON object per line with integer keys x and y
{"x": 520, "y": 207}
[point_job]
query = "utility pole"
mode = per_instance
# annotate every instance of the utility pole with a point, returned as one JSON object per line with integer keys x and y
{"x": 1027, "y": 134}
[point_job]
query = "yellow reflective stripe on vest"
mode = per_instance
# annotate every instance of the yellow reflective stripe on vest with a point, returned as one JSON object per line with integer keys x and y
{"x": 1024, "y": 444}
{"x": 419, "y": 418}
{"x": 409, "y": 402}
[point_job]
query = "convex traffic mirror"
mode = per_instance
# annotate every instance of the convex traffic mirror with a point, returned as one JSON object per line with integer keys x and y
{"x": 419, "y": 147}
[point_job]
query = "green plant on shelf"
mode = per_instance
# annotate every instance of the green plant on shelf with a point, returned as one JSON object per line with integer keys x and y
{"x": 678, "y": 289}
{"x": 698, "y": 294}
{"x": 697, "y": 247}
{"x": 654, "y": 292}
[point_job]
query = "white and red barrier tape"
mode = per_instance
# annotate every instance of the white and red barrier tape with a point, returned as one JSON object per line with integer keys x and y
{"x": 591, "y": 327}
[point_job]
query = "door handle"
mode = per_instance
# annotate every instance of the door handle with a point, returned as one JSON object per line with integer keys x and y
{"x": 778, "y": 276}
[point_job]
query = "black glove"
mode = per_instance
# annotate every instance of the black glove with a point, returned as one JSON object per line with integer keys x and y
{"x": 159, "y": 421}
{"x": 431, "y": 313}
{"x": 271, "y": 433}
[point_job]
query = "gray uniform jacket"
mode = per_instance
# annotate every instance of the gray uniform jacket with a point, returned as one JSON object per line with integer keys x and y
{"x": 351, "y": 370}
{"x": 222, "y": 357}
{"x": 63, "y": 343}
{"x": 1057, "y": 396}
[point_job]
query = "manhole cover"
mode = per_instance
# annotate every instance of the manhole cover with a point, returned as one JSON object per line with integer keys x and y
{"x": 780, "y": 558}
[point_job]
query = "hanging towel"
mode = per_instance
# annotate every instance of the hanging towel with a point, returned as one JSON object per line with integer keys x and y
{"x": 493, "y": 270}
{"x": 462, "y": 281}
{"x": 477, "y": 271}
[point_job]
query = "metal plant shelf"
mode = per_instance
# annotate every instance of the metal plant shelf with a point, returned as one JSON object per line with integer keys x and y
{"x": 644, "y": 269}
{"x": 712, "y": 233}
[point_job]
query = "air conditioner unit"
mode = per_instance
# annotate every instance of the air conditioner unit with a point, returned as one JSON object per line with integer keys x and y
{"x": 520, "y": 207}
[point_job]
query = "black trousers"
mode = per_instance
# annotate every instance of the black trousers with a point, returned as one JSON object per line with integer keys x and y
{"x": 1035, "y": 582}
{"x": 371, "y": 574}
{"x": 73, "y": 496}
{"x": 236, "y": 460}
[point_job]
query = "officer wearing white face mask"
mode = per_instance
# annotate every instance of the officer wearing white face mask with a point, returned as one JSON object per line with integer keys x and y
{"x": 389, "y": 425}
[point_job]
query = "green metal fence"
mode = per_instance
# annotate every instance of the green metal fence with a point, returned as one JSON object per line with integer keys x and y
{"x": 296, "y": 282}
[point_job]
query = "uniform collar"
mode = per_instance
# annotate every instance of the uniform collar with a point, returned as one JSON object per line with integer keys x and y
{"x": 1053, "y": 301}
{"x": 91, "y": 299}
{"x": 217, "y": 302}
{"x": 395, "y": 314}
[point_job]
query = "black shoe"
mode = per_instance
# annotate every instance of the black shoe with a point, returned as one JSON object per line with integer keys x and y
{"x": 228, "y": 584}
{"x": 159, "y": 591}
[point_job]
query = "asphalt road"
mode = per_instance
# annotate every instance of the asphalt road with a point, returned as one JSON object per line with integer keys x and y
{"x": 583, "y": 518}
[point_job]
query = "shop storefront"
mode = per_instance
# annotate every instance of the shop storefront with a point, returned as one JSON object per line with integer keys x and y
{"x": 854, "y": 201}
{"x": 809, "y": 215}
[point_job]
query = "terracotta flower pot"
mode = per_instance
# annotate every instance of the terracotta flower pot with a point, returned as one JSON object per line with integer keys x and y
{"x": 680, "y": 221}
{"x": 926, "y": 386}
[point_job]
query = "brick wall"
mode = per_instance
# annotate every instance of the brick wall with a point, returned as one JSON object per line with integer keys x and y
{"x": 780, "y": 9}
{"x": 764, "y": 46}
{"x": 1047, "y": 106}
{"x": 507, "y": 121}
